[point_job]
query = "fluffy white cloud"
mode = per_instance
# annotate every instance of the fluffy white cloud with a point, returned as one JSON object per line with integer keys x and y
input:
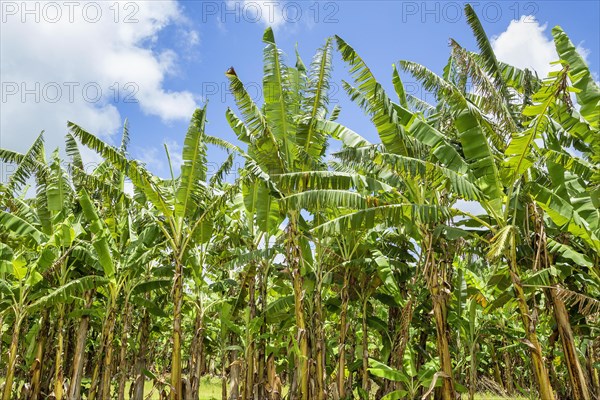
{"x": 526, "y": 44}
{"x": 70, "y": 60}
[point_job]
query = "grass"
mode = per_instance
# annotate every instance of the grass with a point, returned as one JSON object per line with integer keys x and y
{"x": 210, "y": 389}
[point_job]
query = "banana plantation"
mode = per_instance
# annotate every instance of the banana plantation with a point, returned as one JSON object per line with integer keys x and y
{"x": 458, "y": 255}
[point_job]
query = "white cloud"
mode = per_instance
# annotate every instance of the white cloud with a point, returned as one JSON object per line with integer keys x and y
{"x": 94, "y": 53}
{"x": 525, "y": 44}
{"x": 191, "y": 37}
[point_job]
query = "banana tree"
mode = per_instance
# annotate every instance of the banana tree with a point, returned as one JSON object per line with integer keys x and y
{"x": 25, "y": 291}
{"x": 546, "y": 113}
{"x": 122, "y": 262}
{"x": 406, "y": 162}
{"x": 51, "y": 227}
{"x": 513, "y": 135}
{"x": 282, "y": 138}
{"x": 182, "y": 209}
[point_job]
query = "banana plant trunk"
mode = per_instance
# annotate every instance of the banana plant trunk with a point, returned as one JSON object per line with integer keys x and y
{"x": 351, "y": 353}
{"x": 497, "y": 374}
{"x": 48, "y": 373}
{"x": 473, "y": 371}
{"x": 196, "y": 355}
{"x": 176, "y": 360}
{"x": 123, "y": 350}
{"x": 97, "y": 373}
{"x": 404, "y": 332}
{"x": 294, "y": 255}
{"x": 78, "y": 356}
{"x": 302, "y": 337}
{"x": 441, "y": 326}
{"x": 592, "y": 370}
{"x": 108, "y": 352}
{"x": 341, "y": 378}
{"x": 140, "y": 365}
{"x": 262, "y": 345}
{"x": 36, "y": 374}
{"x": 365, "y": 347}
{"x": 576, "y": 374}
{"x": 320, "y": 340}
{"x": 439, "y": 291}
{"x": 97, "y": 368}
{"x": 58, "y": 366}
{"x": 274, "y": 383}
{"x": 248, "y": 393}
{"x": 12, "y": 358}
{"x": 224, "y": 363}
{"x": 68, "y": 349}
{"x": 508, "y": 372}
{"x": 577, "y": 378}
{"x": 234, "y": 374}
{"x": 539, "y": 368}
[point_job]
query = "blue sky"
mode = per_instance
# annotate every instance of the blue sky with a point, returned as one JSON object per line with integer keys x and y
{"x": 168, "y": 57}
